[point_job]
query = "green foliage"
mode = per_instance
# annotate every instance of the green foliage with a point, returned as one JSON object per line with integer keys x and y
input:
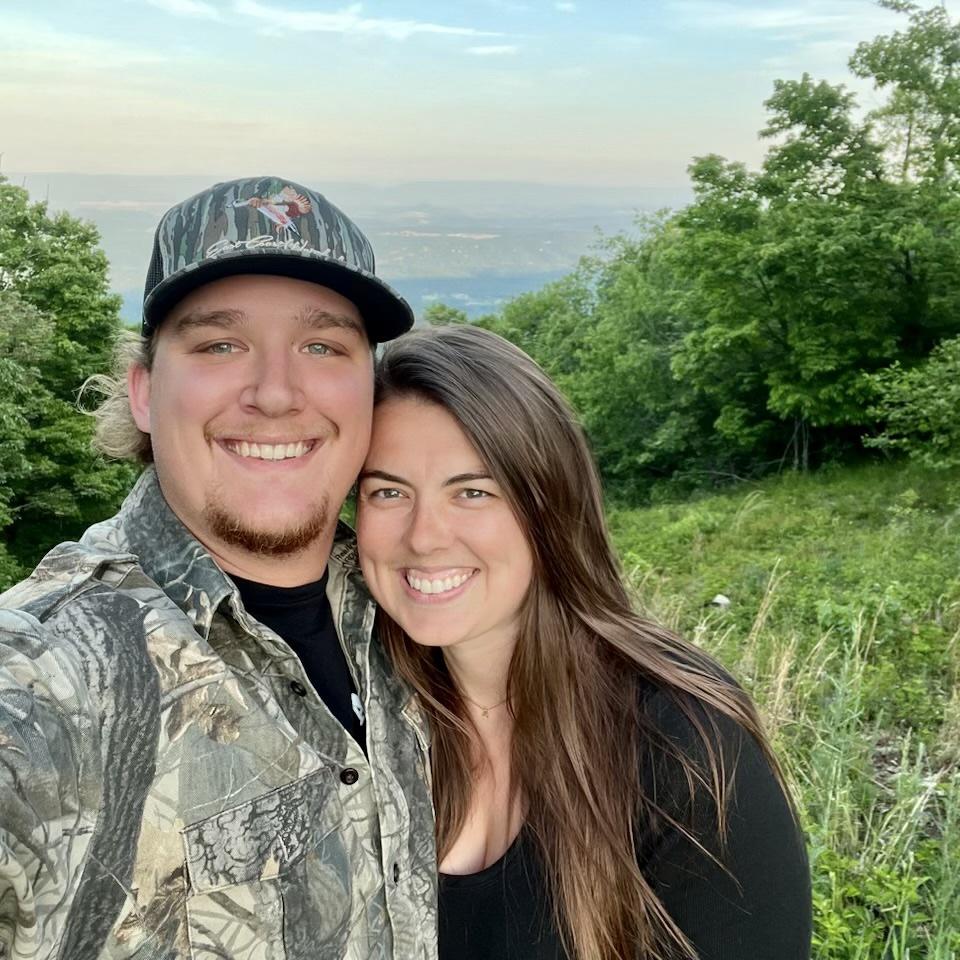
{"x": 746, "y": 332}
{"x": 814, "y": 272}
{"x": 55, "y": 264}
{"x": 57, "y": 322}
{"x": 918, "y": 66}
{"x": 606, "y": 333}
{"x": 844, "y": 625}
{"x": 920, "y": 408}
{"x": 878, "y": 542}
{"x": 441, "y": 315}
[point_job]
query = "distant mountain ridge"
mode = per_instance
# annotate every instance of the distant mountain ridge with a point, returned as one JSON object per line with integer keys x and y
{"x": 469, "y": 243}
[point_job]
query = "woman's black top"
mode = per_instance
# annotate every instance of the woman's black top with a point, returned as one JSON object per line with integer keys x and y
{"x": 757, "y": 908}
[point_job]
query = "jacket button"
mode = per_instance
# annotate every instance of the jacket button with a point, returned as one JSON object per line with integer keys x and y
{"x": 349, "y": 776}
{"x": 396, "y": 873}
{"x": 298, "y": 688}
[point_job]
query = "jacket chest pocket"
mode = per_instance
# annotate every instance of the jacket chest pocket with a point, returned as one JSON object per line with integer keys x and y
{"x": 270, "y": 878}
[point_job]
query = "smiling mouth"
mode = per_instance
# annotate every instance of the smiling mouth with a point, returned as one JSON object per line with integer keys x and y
{"x": 438, "y": 585}
{"x": 269, "y": 451}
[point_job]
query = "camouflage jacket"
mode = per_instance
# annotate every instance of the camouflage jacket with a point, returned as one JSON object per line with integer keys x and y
{"x": 166, "y": 788}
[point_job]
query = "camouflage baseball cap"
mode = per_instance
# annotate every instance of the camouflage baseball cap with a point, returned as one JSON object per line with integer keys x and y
{"x": 272, "y": 226}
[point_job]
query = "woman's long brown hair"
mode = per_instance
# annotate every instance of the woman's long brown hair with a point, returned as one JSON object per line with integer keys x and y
{"x": 581, "y": 655}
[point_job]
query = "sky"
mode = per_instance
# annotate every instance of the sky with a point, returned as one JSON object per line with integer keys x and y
{"x": 613, "y": 93}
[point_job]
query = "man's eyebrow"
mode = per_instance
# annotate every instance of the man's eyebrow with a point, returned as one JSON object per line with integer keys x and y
{"x": 322, "y": 319}
{"x": 228, "y": 319}
{"x": 224, "y": 319}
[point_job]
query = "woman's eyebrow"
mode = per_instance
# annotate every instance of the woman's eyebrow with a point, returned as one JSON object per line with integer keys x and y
{"x": 467, "y": 478}
{"x": 393, "y": 478}
{"x": 382, "y": 475}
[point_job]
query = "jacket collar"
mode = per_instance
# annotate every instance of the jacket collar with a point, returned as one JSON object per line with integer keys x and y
{"x": 175, "y": 560}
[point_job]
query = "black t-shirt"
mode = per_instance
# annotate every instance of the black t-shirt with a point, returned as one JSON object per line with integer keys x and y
{"x": 302, "y": 617}
{"x": 760, "y": 910}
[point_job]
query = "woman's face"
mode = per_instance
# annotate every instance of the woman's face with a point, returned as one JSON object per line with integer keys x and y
{"x": 440, "y": 547}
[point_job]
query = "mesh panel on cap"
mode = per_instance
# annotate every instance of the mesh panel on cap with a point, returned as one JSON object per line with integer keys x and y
{"x": 155, "y": 270}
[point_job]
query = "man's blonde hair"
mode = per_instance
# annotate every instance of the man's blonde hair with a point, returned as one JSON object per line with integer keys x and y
{"x": 116, "y": 434}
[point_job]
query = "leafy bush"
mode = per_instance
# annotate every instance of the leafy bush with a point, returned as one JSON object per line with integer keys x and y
{"x": 920, "y": 408}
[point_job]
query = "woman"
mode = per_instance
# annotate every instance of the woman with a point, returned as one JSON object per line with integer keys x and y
{"x": 602, "y": 789}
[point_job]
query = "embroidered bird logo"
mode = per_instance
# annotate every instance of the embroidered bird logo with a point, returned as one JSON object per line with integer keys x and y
{"x": 282, "y": 209}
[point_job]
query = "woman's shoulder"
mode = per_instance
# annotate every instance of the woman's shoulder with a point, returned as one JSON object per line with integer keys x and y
{"x": 697, "y": 750}
{"x": 697, "y": 725}
{"x": 740, "y": 871}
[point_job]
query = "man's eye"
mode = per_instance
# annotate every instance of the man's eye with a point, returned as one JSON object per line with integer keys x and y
{"x": 220, "y": 348}
{"x": 318, "y": 349}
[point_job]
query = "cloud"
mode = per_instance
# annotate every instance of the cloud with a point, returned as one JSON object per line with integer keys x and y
{"x": 347, "y": 20}
{"x": 565, "y": 6}
{"x": 499, "y": 50}
{"x": 38, "y": 47}
{"x": 196, "y": 9}
{"x": 812, "y": 36}
{"x": 836, "y": 17}
{"x": 761, "y": 18}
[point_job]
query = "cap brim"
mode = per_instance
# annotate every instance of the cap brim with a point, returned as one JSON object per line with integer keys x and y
{"x": 385, "y": 313}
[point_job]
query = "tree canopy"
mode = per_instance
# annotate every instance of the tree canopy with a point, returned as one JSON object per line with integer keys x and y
{"x": 746, "y": 330}
{"x": 57, "y": 325}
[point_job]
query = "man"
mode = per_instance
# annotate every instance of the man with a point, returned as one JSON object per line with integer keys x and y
{"x": 202, "y": 753}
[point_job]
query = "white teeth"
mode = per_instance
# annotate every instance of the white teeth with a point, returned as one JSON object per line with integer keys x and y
{"x": 431, "y": 587}
{"x": 269, "y": 451}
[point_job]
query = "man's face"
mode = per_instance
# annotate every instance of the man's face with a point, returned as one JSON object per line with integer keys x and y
{"x": 258, "y": 407}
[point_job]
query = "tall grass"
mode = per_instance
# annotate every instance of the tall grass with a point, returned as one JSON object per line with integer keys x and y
{"x": 864, "y": 711}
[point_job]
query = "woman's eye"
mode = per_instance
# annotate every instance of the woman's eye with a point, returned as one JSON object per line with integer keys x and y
{"x": 385, "y": 493}
{"x": 472, "y": 493}
{"x": 219, "y": 348}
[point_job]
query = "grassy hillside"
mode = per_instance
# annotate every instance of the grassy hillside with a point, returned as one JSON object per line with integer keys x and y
{"x": 844, "y": 623}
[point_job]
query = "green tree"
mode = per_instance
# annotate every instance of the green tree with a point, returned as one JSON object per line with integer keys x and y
{"x": 25, "y": 338}
{"x": 441, "y": 315}
{"x": 822, "y": 267}
{"x": 745, "y": 331}
{"x": 57, "y": 324}
{"x": 919, "y": 408}
{"x": 918, "y": 67}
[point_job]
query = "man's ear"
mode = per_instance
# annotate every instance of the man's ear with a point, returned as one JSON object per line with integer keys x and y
{"x": 138, "y": 390}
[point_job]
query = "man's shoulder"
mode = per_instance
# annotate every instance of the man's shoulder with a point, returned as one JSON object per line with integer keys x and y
{"x": 64, "y": 572}
{"x": 82, "y": 593}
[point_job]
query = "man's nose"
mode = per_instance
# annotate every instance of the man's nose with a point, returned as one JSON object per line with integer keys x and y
{"x": 274, "y": 388}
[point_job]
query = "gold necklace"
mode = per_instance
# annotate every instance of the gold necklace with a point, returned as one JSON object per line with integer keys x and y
{"x": 485, "y": 711}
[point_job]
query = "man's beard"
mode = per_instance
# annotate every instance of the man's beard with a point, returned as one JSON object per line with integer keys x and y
{"x": 231, "y": 529}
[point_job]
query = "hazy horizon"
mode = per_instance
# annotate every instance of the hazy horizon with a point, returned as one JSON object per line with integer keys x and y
{"x": 471, "y": 244}
{"x": 483, "y": 140}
